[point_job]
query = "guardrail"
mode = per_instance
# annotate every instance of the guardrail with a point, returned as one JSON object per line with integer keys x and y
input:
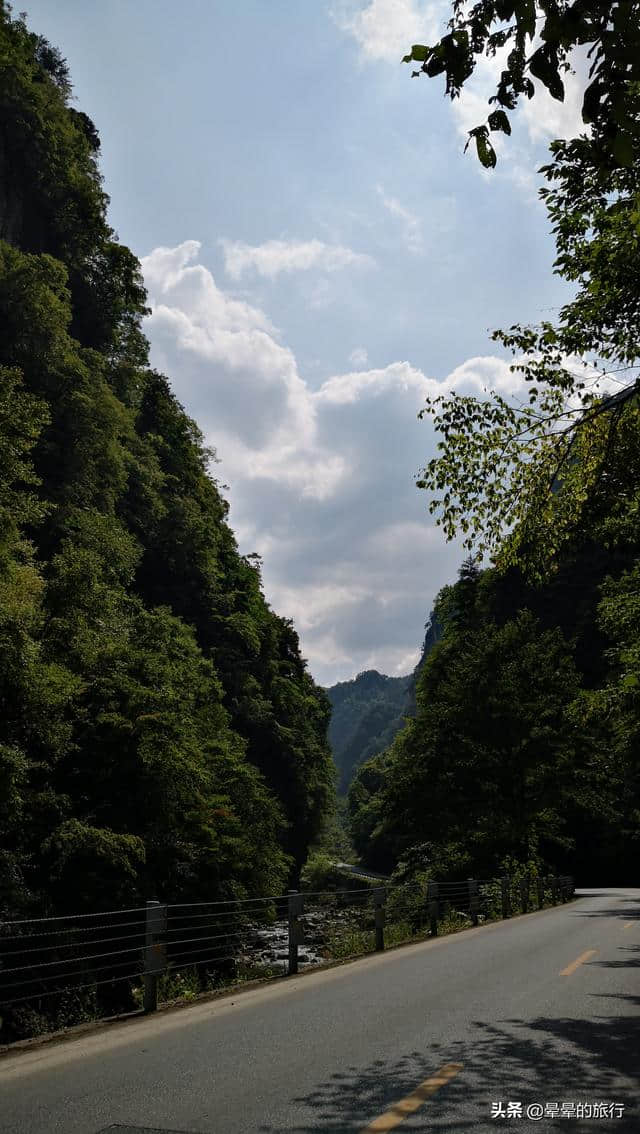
{"x": 62, "y": 970}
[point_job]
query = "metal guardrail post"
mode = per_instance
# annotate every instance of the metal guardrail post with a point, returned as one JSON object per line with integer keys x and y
{"x": 296, "y": 901}
{"x": 474, "y": 900}
{"x": 155, "y": 953}
{"x": 379, "y": 896}
{"x": 432, "y": 902}
{"x": 505, "y": 885}
{"x": 524, "y": 893}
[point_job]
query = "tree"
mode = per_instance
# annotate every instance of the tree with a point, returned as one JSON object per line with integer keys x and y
{"x": 492, "y": 758}
{"x": 541, "y": 38}
{"x": 159, "y": 728}
{"x": 501, "y": 460}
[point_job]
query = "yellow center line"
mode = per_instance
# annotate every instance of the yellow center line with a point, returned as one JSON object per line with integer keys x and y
{"x": 402, "y": 1109}
{"x": 628, "y": 925}
{"x": 578, "y": 961}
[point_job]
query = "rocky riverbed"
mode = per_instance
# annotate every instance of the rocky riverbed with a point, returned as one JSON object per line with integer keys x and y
{"x": 268, "y": 946}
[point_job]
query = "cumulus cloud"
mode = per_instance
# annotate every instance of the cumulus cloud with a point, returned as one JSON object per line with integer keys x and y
{"x": 274, "y": 257}
{"x": 322, "y": 479}
{"x": 385, "y": 29}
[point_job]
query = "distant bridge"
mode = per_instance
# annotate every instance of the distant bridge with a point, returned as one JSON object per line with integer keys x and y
{"x": 360, "y": 871}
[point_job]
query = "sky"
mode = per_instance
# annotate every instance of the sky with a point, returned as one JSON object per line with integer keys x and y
{"x": 320, "y": 256}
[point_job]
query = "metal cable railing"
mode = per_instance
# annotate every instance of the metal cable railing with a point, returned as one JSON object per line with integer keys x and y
{"x": 56, "y": 971}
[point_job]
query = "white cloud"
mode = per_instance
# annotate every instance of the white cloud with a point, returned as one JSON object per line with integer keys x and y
{"x": 322, "y": 480}
{"x": 274, "y": 257}
{"x": 346, "y": 389}
{"x": 546, "y": 118}
{"x": 359, "y": 357}
{"x": 229, "y": 353}
{"x": 411, "y": 224}
{"x": 386, "y": 29}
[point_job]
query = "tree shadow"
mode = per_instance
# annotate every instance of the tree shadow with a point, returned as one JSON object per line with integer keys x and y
{"x": 629, "y": 960}
{"x": 627, "y": 908}
{"x": 623, "y": 915}
{"x": 544, "y": 1060}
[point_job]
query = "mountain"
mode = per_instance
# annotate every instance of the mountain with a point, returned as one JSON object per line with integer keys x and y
{"x": 368, "y": 711}
{"x": 159, "y": 731}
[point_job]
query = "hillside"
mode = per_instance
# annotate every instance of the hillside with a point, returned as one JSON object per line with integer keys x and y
{"x": 159, "y": 732}
{"x": 368, "y": 711}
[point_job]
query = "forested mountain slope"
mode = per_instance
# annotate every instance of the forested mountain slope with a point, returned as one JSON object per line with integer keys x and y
{"x": 367, "y": 712}
{"x": 159, "y": 731}
{"x": 523, "y": 746}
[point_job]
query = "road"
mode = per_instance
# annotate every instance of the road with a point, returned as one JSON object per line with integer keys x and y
{"x": 541, "y": 1009}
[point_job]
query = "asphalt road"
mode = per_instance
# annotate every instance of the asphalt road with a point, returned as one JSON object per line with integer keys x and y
{"x": 543, "y": 1009}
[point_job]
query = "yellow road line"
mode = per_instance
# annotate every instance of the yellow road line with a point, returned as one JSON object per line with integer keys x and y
{"x": 402, "y": 1109}
{"x": 578, "y": 961}
{"x": 628, "y": 925}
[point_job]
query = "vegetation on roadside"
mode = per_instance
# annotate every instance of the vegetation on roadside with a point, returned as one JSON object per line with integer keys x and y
{"x": 160, "y": 732}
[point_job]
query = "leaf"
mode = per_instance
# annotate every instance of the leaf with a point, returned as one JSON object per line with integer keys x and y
{"x": 543, "y": 65}
{"x": 623, "y": 149}
{"x": 486, "y": 152}
{"x": 591, "y": 101}
{"x": 419, "y": 54}
{"x": 498, "y": 120}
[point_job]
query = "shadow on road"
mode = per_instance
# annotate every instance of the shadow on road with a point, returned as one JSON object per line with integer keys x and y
{"x": 626, "y": 913}
{"x": 545, "y": 1060}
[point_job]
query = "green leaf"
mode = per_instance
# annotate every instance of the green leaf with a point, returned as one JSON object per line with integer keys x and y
{"x": 486, "y": 152}
{"x": 623, "y": 149}
{"x": 419, "y": 53}
{"x": 543, "y": 65}
{"x": 498, "y": 120}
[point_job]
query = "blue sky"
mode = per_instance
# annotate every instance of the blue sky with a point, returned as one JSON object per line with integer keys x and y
{"x": 319, "y": 255}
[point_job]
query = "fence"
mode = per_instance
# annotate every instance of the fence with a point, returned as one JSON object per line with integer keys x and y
{"x": 59, "y": 971}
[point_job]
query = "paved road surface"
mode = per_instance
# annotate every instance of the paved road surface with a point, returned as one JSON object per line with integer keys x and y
{"x": 541, "y": 1009}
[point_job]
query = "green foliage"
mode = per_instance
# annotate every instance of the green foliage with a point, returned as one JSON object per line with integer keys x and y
{"x": 493, "y": 759}
{"x": 522, "y": 482}
{"x": 368, "y": 711}
{"x": 333, "y": 838}
{"x": 366, "y": 714}
{"x": 524, "y": 744}
{"x": 365, "y": 810}
{"x": 320, "y": 873}
{"x": 159, "y": 733}
{"x": 611, "y": 31}
{"x": 501, "y": 460}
